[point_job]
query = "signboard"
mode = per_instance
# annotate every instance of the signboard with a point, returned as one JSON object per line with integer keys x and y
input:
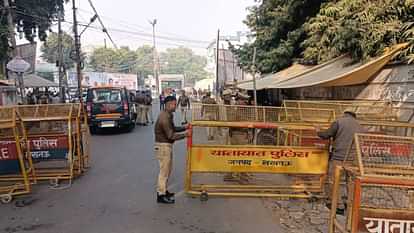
{"x": 49, "y": 147}
{"x": 386, "y": 221}
{"x": 28, "y": 53}
{"x": 9, "y": 162}
{"x": 99, "y": 79}
{"x": 382, "y": 149}
{"x": 291, "y": 160}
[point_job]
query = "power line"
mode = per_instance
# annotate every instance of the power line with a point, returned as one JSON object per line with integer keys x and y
{"x": 103, "y": 26}
{"x": 177, "y": 38}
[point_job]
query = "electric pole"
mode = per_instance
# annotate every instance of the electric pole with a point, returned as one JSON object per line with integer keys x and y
{"x": 154, "y": 51}
{"x": 254, "y": 76}
{"x": 11, "y": 28}
{"x": 77, "y": 52}
{"x": 217, "y": 62}
{"x": 60, "y": 59}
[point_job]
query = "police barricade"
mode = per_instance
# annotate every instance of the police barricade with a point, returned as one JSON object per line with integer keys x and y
{"x": 82, "y": 142}
{"x": 365, "y": 110}
{"x": 53, "y": 133}
{"x": 14, "y": 156}
{"x": 246, "y": 113}
{"x": 379, "y": 189}
{"x": 286, "y": 169}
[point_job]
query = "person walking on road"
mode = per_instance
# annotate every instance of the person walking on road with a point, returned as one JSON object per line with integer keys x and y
{"x": 148, "y": 108}
{"x": 342, "y": 132}
{"x": 165, "y": 136}
{"x": 184, "y": 103}
{"x": 162, "y": 98}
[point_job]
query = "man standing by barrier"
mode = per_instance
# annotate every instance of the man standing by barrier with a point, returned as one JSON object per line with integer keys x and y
{"x": 210, "y": 113}
{"x": 342, "y": 132}
{"x": 184, "y": 103}
{"x": 165, "y": 136}
{"x": 238, "y": 136}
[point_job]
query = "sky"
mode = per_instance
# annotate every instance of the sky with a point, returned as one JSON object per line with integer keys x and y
{"x": 194, "y": 21}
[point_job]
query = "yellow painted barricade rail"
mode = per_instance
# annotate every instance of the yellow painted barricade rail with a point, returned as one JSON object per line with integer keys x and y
{"x": 247, "y": 113}
{"x": 15, "y": 156}
{"x": 289, "y": 168}
{"x": 58, "y": 137}
{"x": 379, "y": 186}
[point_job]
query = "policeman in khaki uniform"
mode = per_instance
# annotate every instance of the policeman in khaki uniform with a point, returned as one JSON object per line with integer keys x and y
{"x": 238, "y": 136}
{"x": 165, "y": 136}
{"x": 210, "y": 113}
{"x": 184, "y": 104}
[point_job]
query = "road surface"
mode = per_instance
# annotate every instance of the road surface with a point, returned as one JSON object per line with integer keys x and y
{"x": 117, "y": 195}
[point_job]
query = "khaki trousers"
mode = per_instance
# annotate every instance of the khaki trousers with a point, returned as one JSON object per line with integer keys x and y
{"x": 148, "y": 114}
{"x": 184, "y": 114}
{"x": 344, "y": 188}
{"x": 211, "y": 131}
{"x": 163, "y": 152}
{"x": 141, "y": 114}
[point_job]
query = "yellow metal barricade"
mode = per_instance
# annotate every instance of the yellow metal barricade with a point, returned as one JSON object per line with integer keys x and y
{"x": 15, "y": 157}
{"x": 366, "y": 111}
{"x": 246, "y": 113}
{"x": 53, "y": 133}
{"x": 380, "y": 186}
{"x": 291, "y": 168}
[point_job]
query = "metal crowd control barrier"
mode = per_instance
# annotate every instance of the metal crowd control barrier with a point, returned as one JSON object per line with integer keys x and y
{"x": 287, "y": 169}
{"x": 367, "y": 111}
{"x": 53, "y": 132}
{"x": 14, "y": 156}
{"x": 379, "y": 188}
{"x": 246, "y": 113}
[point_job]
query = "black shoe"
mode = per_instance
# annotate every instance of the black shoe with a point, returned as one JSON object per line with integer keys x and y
{"x": 164, "y": 199}
{"x": 170, "y": 195}
{"x": 339, "y": 211}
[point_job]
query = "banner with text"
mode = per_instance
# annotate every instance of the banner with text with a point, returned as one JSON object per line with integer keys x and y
{"x": 290, "y": 160}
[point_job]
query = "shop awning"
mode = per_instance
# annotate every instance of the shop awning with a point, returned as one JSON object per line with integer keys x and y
{"x": 270, "y": 79}
{"x": 338, "y": 72}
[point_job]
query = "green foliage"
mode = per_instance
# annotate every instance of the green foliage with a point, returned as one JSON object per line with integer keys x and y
{"x": 113, "y": 60}
{"x": 31, "y": 18}
{"x": 276, "y": 27}
{"x": 183, "y": 61}
{"x": 50, "y": 49}
{"x": 174, "y": 61}
{"x": 362, "y": 28}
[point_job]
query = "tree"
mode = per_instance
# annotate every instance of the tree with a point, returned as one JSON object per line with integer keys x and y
{"x": 276, "y": 27}
{"x": 362, "y": 28}
{"x": 113, "y": 60}
{"x": 50, "y": 49}
{"x": 144, "y": 62}
{"x": 32, "y": 18}
{"x": 183, "y": 61}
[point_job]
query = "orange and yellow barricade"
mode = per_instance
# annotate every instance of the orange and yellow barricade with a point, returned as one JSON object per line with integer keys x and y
{"x": 15, "y": 159}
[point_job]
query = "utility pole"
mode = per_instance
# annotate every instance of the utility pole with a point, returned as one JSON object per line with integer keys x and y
{"x": 154, "y": 51}
{"x": 217, "y": 62}
{"x": 11, "y": 28}
{"x": 77, "y": 52}
{"x": 60, "y": 59}
{"x": 254, "y": 76}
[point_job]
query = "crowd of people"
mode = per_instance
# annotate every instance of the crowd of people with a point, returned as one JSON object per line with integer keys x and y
{"x": 45, "y": 97}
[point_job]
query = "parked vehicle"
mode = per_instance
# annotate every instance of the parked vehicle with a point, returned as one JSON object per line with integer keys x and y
{"x": 110, "y": 107}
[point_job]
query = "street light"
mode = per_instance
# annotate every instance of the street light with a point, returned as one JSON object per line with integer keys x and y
{"x": 19, "y": 66}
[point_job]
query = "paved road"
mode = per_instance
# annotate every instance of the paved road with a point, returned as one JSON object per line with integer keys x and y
{"x": 117, "y": 196}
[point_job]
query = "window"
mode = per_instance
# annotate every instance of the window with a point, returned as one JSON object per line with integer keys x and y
{"x": 106, "y": 96}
